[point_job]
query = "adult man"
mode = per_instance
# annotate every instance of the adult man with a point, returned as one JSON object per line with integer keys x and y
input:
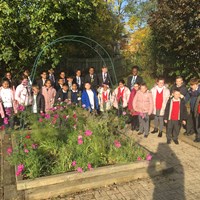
{"x": 92, "y": 78}
{"x": 134, "y": 78}
{"x": 104, "y": 77}
{"x": 52, "y": 77}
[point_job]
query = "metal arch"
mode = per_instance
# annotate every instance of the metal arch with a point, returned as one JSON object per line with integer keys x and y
{"x": 74, "y": 38}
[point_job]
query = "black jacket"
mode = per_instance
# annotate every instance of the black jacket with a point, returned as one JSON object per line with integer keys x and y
{"x": 94, "y": 82}
{"x": 183, "y": 89}
{"x": 82, "y": 83}
{"x": 61, "y": 95}
{"x": 138, "y": 80}
{"x": 40, "y": 83}
{"x": 40, "y": 103}
{"x": 107, "y": 81}
{"x": 183, "y": 110}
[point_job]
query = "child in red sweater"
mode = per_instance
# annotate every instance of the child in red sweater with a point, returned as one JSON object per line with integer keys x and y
{"x": 175, "y": 114}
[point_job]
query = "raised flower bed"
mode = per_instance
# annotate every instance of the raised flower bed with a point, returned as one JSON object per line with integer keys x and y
{"x": 69, "y": 139}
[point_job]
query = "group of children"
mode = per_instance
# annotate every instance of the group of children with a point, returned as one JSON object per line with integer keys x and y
{"x": 93, "y": 92}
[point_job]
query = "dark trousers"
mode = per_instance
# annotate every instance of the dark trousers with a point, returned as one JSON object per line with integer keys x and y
{"x": 191, "y": 123}
{"x": 173, "y": 129}
{"x": 135, "y": 121}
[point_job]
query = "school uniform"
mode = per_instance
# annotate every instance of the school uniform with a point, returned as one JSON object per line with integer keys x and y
{"x": 89, "y": 100}
{"x": 132, "y": 80}
{"x": 104, "y": 98}
{"x": 104, "y": 78}
{"x": 38, "y": 105}
{"x": 92, "y": 79}
{"x": 175, "y": 113}
{"x": 160, "y": 98}
{"x": 79, "y": 80}
{"x": 41, "y": 83}
{"x": 197, "y": 118}
{"x": 75, "y": 96}
{"x": 61, "y": 95}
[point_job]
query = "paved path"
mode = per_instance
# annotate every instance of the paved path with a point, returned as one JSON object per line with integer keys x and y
{"x": 183, "y": 184}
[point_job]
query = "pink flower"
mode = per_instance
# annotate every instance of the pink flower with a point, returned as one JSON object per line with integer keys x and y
{"x": 5, "y": 120}
{"x": 117, "y": 144}
{"x": 148, "y": 157}
{"x": 28, "y": 136}
{"x": 139, "y": 158}
{"x": 89, "y": 166}
{"x": 20, "y": 167}
{"x": 79, "y": 169}
{"x": 34, "y": 146}
{"x": 80, "y": 141}
{"x": 47, "y": 116}
{"x": 40, "y": 120}
{"x": 75, "y": 126}
{"x": 74, "y": 115}
{"x": 42, "y": 114}
{"x": 9, "y": 150}
{"x": 56, "y": 116}
{"x": 80, "y": 137}
{"x": 20, "y": 108}
{"x": 124, "y": 113}
{"x": 26, "y": 150}
{"x": 88, "y": 132}
{"x": 18, "y": 173}
{"x": 74, "y": 163}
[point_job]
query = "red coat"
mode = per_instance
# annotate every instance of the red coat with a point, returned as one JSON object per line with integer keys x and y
{"x": 130, "y": 102}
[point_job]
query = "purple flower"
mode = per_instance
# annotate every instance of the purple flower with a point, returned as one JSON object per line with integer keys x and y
{"x": 8, "y": 111}
{"x": 9, "y": 150}
{"x": 79, "y": 169}
{"x": 88, "y": 132}
{"x": 74, "y": 163}
{"x": 149, "y": 157}
{"x": 117, "y": 144}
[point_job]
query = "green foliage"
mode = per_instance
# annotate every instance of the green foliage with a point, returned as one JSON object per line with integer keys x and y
{"x": 27, "y": 26}
{"x": 176, "y": 37}
{"x": 51, "y": 146}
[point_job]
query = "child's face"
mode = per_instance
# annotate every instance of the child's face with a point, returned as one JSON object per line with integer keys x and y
{"x": 91, "y": 71}
{"x": 179, "y": 82}
{"x": 87, "y": 86}
{"x": 105, "y": 87}
{"x": 194, "y": 87}
{"x": 70, "y": 80}
{"x": 65, "y": 88}
{"x": 5, "y": 84}
{"x": 121, "y": 85}
{"x": 160, "y": 83}
{"x": 35, "y": 90}
{"x": 25, "y": 82}
{"x": 44, "y": 75}
{"x": 61, "y": 81}
{"x": 48, "y": 84}
{"x": 176, "y": 94}
{"x": 74, "y": 87}
{"x": 136, "y": 87}
{"x": 78, "y": 73}
{"x": 143, "y": 89}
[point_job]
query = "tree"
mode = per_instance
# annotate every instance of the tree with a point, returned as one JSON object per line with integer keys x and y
{"x": 27, "y": 26}
{"x": 176, "y": 31}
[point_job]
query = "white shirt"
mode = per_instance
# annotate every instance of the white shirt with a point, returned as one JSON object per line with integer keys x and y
{"x": 34, "y": 103}
{"x": 6, "y": 97}
{"x": 91, "y": 97}
{"x": 159, "y": 89}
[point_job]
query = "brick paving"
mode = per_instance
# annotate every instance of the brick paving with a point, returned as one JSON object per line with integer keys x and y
{"x": 182, "y": 184}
